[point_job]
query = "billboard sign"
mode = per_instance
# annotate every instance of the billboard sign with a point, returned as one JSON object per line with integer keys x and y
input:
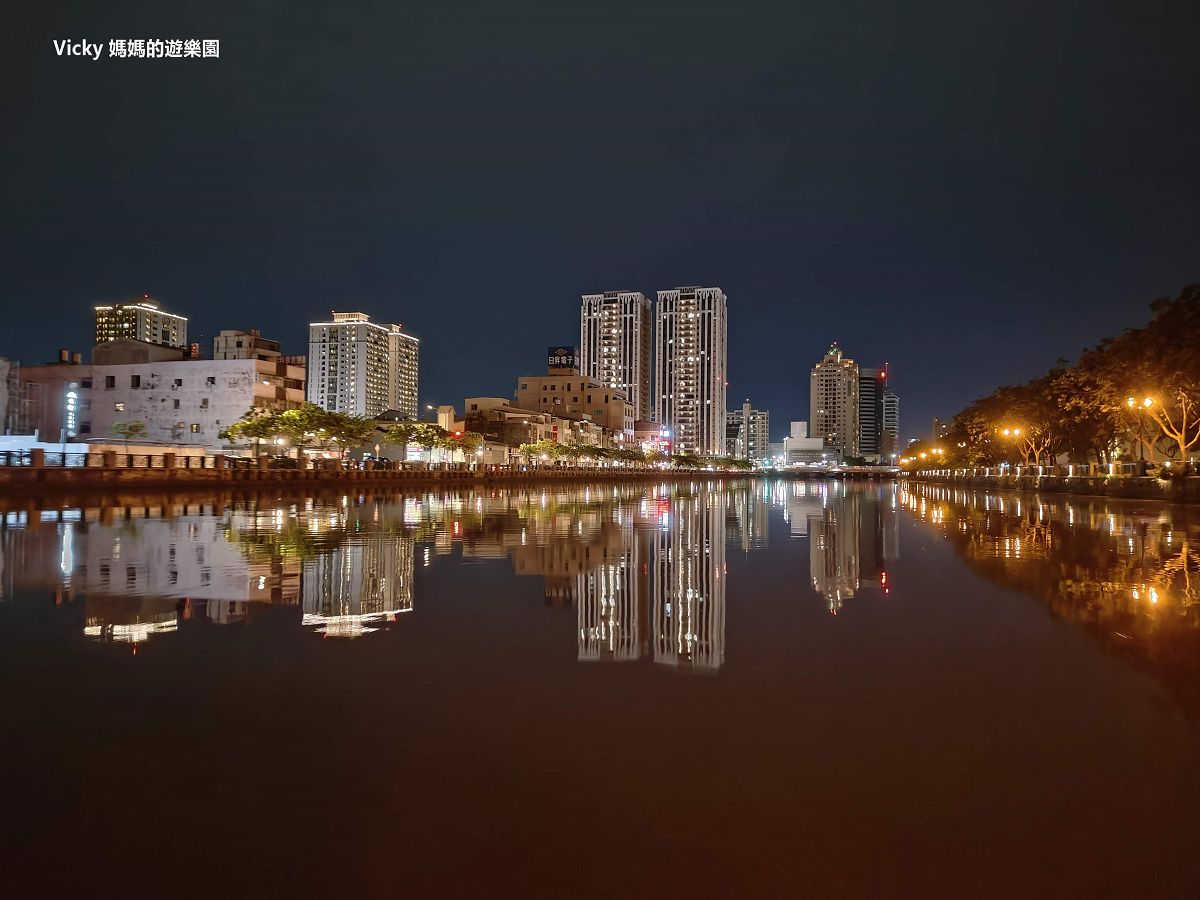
{"x": 562, "y": 358}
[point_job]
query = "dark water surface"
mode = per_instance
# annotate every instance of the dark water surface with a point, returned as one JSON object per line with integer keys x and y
{"x": 704, "y": 690}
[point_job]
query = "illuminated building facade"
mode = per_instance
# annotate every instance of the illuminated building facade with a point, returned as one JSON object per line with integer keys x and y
{"x": 614, "y": 341}
{"x": 140, "y": 320}
{"x": 362, "y": 368}
{"x": 834, "y": 402}
{"x": 691, "y": 367}
{"x": 687, "y": 574}
{"x": 748, "y": 433}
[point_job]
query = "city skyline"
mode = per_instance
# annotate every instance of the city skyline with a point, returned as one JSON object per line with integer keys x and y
{"x": 898, "y": 208}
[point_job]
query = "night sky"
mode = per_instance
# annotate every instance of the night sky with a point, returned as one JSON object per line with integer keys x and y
{"x": 968, "y": 190}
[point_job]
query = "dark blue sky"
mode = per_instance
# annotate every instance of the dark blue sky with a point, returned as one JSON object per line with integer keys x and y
{"x": 968, "y": 190}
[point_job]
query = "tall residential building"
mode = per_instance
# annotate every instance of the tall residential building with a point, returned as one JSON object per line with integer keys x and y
{"x": 691, "y": 367}
{"x": 748, "y": 433}
{"x": 230, "y": 344}
{"x": 362, "y": 368}
{"x": 140, "y": 320}
{"x": 891, "y": 425}
{"x": 614, "y": 341}
{"x": 870, "y": 412}
{"x": 833, "y": 401}
{"x": 404, "y": 352}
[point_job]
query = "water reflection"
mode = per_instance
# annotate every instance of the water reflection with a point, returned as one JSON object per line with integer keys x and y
{"x": 1126, "y": 572}
{"x": 853, "y": 536}
{"x": 645, "y": 567}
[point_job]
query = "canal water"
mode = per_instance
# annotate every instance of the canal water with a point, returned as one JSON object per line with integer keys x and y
{"x": 765, "y": 688}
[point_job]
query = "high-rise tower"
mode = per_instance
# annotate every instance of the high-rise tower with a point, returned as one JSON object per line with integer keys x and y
{"x": 833, "y": 401}
{"x": 614, "y": 342}
{"x": 361, "y": 368}
{"x": 691, "y": 366}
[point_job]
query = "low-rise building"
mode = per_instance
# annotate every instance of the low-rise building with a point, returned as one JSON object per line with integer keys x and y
{"x": 564, "y": 393}
{"x": 800, "y": 449}
{"x": 232, "y": 344}
{"x": 501, "y": 422}
{"x": 52, "y": 400}
{"x": 190, "y": 401}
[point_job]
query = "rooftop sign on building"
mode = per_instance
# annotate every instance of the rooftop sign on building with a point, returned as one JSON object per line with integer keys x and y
{"x": 562, "y": 359}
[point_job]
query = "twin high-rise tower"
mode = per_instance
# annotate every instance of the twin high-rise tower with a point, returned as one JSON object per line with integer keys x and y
{"x": 690, "y": 360}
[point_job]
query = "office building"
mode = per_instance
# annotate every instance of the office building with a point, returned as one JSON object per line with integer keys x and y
{"x": 140, "y": 320}
{"x": 871, "y": 383}
{"x": 244, "y": 345}
{"x": 691, "y": 368}
{"x": 614, "y": 341}
{"x": 362, "y": 368}
{"x": 748, "y": 433}
{"x": 833, "y": 401}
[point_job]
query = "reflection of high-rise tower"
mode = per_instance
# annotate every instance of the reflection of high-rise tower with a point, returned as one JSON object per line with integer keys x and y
{"x": 749, "y": 516}
{"x": 612, "y": 602}
{"x": 349, "y": 587}
{"x": 852, "y": 539}
{"x": 833, "y": 544}
{"x": 688, "y": 582}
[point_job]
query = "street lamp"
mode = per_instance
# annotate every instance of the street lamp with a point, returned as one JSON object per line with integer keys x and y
{"x": 1135, "y": 410}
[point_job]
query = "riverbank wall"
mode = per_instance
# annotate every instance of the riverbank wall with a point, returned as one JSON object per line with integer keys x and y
{"x": 1130, "y": 487}
{"x": 28, "y": 480}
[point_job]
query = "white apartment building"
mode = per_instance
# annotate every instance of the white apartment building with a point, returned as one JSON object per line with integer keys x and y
{"x": 748, "y": 433}
{"x": 140, "y": 320}
{"x": 190, "y": 401}
{"x": 404, "y": 353}
{"x": 691, "y": 367}
{"x": 614, "y": 342}
{"x": 360, "y": 367}
{"x": 833, "y": 401}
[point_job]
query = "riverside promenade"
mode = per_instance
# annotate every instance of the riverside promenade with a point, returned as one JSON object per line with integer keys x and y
{"x": 37, "y": 472}
{"x": 1086, "y": 481}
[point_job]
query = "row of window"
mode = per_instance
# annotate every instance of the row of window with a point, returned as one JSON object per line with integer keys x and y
{"x": 135, "y": 381}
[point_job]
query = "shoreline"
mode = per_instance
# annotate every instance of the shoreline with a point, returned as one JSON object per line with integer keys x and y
{"x": 1121, "y": 487}
{"x": 25, "y": 482}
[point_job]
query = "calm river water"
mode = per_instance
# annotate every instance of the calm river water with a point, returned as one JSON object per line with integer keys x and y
{"x": 767, "y": 688}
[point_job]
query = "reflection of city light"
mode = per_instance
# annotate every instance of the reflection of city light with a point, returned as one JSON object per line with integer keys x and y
{"x": 348, "y": 626}
{"x": 132, "y": 633}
